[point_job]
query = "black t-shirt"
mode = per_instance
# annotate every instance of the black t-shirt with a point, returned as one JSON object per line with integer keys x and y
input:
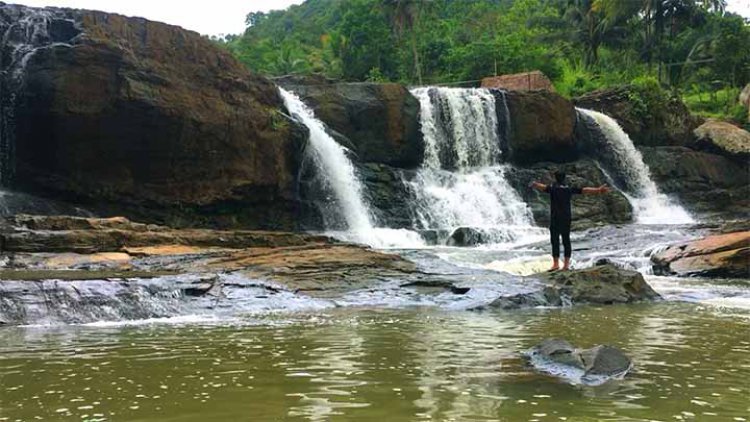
{"x": 559, "y": 206}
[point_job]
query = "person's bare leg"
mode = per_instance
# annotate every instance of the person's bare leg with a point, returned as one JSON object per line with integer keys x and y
{"x": 566, "y": 263}
{"x": 555, "y": 264}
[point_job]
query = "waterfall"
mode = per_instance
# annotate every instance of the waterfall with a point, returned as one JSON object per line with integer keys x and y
{"x": 461, "y": 182}
{"x": 23, "y": 32}
{"x": 340, "y": 177}
{"x": 624, "y": 164}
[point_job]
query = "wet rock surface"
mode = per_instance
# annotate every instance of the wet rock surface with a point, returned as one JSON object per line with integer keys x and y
{"x": 379, "y": 121}
{"x": 147, "y": 120}
{"x": 723, "y": 255}
{"x": 600, "y": 285}
{"x": 592, "y": 366}
{"x": 588, "y": 211}
{"x": 704, "y": 182}
{"x": 663, "y": 120}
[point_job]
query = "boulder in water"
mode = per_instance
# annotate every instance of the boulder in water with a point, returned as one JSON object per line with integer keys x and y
{"x": 466, "y": 236}
{"x": 601, "y": 285}
{"x": 724, "y": 139}
{"x": 724, "y": 255}
{"x": 592, "y": 366}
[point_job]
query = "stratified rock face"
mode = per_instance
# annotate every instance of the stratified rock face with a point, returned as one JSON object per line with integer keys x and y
{"x": 542, "y": 127}
{"x": 526, "y": 81}
{"x": 666, "y": 121}
{"x": 725, "y": 255}
{"x": 588, "y": 210}
{"x": 380, "y": 121}
{"x": 705, "y": 182}
{"x": 600, "y": 285}
{"x": 133, "y": 113}
{"x": 725, "y": 139}
{"x": 745, "y": 99}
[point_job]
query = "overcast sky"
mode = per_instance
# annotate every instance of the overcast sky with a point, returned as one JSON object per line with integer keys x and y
{"x": 214, "y": 17}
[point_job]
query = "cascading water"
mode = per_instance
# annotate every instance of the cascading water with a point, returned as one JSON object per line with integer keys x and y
{"x": 461, "y": 182}
{"x": 24, "y": 31}
{"x": 624, "y": 163}
{"x": 340, "y": 177}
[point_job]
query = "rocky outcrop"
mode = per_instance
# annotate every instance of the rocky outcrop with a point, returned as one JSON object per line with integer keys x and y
{"x": 649, "y": 115}
{"x": 588, "y": 210}
{"x": 592, "y": 366}
{"x": 704, "y": 182}
{"x": 542, "y": 127}
{"x": 600, "y": 285}
{"x": 526, "y": 81}
{"x": 128, "y": 115}
{"x": 724, "y": 139}
{"x": 745, "y": 99}
{"x": 379, "y": 121}
{"x": 724, "y": 255}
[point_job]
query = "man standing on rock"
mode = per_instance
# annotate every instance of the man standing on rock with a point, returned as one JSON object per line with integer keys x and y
{"x": 561, "y": 216}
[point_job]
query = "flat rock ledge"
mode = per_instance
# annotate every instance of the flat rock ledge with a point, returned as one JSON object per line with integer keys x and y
{"x": 723, "y": 255}
{"x": 600, "y": 285}
{"x": 34, "y": 248}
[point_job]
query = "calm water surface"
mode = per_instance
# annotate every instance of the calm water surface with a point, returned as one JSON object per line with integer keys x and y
{"x": 692, "y": 363}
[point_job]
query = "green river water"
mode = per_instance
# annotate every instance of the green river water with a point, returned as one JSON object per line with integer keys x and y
{"x": 418, "y": 364}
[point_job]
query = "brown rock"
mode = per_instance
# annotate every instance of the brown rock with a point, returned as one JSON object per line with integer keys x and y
{"x": 380, "y": 121}
{"x": 725, "y": 255}
{"x": 725, "y": 139}
{"x": 526, "y": 81}
{"x": 132, "y": 116}
{"x": 542, "y": 125}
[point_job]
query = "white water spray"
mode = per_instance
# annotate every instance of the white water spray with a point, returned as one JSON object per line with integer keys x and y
{"x": 461, "y": 183}
{"x": 650, "y": 206}
{"x": 341, "y": 178}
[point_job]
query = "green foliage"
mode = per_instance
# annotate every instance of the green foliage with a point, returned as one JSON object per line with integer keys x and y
{"x": 690, "y": 46}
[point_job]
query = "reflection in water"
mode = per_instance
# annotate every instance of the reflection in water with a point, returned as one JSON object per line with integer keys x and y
{"x": 418, "y": 364}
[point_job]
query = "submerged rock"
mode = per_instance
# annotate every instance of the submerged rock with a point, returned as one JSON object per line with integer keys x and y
{"x": 592, "y": 366}
{"x": 466, "y": 236}
{"x": 724, "y": 255}
{"x": 601, "y": 285}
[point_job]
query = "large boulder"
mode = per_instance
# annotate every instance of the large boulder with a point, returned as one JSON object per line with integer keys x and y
{"x": 724, "y": 255}
{"x": 588, "y": 210}
{"x": 647, "y": 113}
{"x": 725, "y": 139}
{"x": 379, "y": 121}
{"x": 745, "y": 100}
{"x": 542, "y": 127}
{"x": 127, "y": 115}
{"x": 592, "y": 366}
{"x": 704, "y": 182}
{"x": 526, "y": 81}
{"x": 600, "y": 285}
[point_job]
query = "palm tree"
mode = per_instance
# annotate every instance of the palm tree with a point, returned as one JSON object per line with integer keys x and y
{"x": 404, "y": 16}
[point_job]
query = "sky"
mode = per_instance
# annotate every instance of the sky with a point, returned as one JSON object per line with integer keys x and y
{"x": 215, "y": 17}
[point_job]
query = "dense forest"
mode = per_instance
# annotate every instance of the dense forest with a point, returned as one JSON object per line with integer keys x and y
{"x": 692, "y": 47}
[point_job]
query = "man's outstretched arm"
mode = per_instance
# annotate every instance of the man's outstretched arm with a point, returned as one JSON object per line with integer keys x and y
{"x": 596, "y": 191}
{"x": 541, "y": 187}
